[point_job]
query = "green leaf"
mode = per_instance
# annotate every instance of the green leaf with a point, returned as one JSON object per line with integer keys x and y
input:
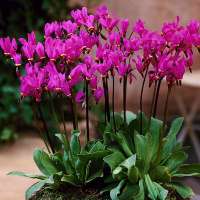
{"x": 107, "y": 135}
{"x": 97, "y": 146}
{"x": 129, "y": 192}
{"x": 129, "y": 162}
{"x": 69, "y": 179}
{"x": 155, "y": 190}
{"x": 175, "y": 160}
{"x": 130, "y": 116}
{"x": 34, "y": 188}
{"x": 63, "y": 141}
{"x": 114, "y": 193}
{"x": 114, "y": 159}
{"x": 140, "y": 146}
{"x": 119, "y": 121}
{"x": 93, "y": 156}
{"x": 184, "y": 191}
{"x": 155, "y": 131}
{"x": 171, "y": 137}
{"x": 69, "y": 168}
{"x": 140, "y": 195}
{"x": 143, "y": 152}
{"x": 188, "y": 170}
{"x": 94, "y": 171}
{"x": 136, "y": 123}
{"x": 44, "y": 163}
{"x": 153, "y": 194}
{"x": 133, "y": 174}
{"x": 122, "y": 141}
{"x": 160, "y": 173}
{"x": 75, "y": 143}
{"x": 17, "y": 173}
{"x": 162, "y": 192}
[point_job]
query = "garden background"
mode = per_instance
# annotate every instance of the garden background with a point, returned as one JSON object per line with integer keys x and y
{"x": 18, "y": 130}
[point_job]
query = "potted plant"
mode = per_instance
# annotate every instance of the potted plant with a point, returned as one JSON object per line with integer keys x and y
{"x": 137, "y": 157}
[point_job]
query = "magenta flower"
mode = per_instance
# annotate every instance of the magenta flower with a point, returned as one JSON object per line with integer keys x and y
{"x": 108, "y": 23}
{"x": 17, "y": 59}
{"x": 132, "y": 45}
{"x": 124, "y": 26}
{"x": 139, "y": 64}
{"x": 139, "y": 28}
{"x": 31, "y": 39}
{"x": 28, "y": 51}
{"x": 114, "y": 38}
{"x": 93, "y": 83}
{"x": 51, "y": 48}
{"x": 88, "y": 40}
{"x": 69, "y": 26}
{"x": 169, "y": 28}
{"x": 81, "y": 17}
{"x": 80, "y": 97}
{"x": 101, "y": 12}
{"x": 40, "y": 50}
{"x": 123, "y": 69}
{"x": 32, "y": 83}
{"x": 9, "y": 46}
{"x": 98, "y": 93}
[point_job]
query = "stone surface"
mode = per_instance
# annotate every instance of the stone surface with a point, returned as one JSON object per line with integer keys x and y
{"x": 17, "y": 157}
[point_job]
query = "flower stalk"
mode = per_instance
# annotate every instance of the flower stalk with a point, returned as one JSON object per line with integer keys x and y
{"x": 87, "y": 111}
{"x": 124, "y": 96}
{"x": 141, "y": 98}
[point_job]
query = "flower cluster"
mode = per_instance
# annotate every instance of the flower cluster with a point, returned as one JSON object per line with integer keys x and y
{"x": 93, "y": 47}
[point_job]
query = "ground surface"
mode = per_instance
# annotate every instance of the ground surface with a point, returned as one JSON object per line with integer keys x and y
{"x": 18, "y": 156}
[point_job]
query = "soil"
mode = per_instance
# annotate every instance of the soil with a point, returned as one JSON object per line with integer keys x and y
{"x": 70, "y": 193}
{"x": 73, "y": 193}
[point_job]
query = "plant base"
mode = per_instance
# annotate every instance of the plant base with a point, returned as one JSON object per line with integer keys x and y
{"x": 71, "y": 193}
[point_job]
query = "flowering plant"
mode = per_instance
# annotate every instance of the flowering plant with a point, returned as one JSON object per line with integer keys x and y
{"x": 137, "y": 156}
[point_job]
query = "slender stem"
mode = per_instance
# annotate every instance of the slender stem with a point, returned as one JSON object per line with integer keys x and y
{"x": 166, "y": 106}
{"x": 74, "y": 111}
{"x": 107, "y": 97}
{"x": 87, "y": 111}
{"x": 164, "y": 123}
{"x": 124, "y": 96}
{"x": 141, "y": 99}
{"x": 64, "y": 126}
{"x": 40, "y": 132}
{"x": 152, "y": 103}
{"x": 54, "y": 111}
{"x": 46, "y": 128}
{"x": 113, "y": 102}
{"x": 156, "y": 98}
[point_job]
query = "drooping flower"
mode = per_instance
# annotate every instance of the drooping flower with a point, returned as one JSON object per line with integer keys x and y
{"x": 124, "y": 26}
{"x": 17, "y": 59}
{"x": 31, "y": 84}
{"x": 8, "y": 45}
{"x": 69, "y": 26}
{"x": 82, "y": 17}
{"x": 140, "y": 28}
{"x": 80, "y": 97}
{"x": 40, "y": 50}
{"x": 98, "y": 93}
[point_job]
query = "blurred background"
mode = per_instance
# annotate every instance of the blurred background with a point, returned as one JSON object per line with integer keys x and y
{"x": 18, "y": 131}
